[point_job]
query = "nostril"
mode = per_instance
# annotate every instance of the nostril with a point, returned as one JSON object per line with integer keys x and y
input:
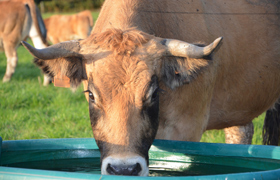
{"x": 110, "y": 169}
{"x": 132, "y": 170}
{"x": 137, "y": 168}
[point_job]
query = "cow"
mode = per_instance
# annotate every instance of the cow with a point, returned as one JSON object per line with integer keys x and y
{"x": 68, "y": 27}
{"x": 20, "y": 19}
{"x": 143, "y": 79}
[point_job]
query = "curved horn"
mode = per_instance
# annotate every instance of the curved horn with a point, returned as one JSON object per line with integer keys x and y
{"x": 63, "y": 49}
{"x": 184, "y": 49}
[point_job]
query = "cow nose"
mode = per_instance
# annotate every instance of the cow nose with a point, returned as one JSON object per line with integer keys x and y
{"x": 129, "y": 170}
{"x": 125, "y": 165}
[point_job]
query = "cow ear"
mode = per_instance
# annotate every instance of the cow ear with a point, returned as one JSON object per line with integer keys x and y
{"x": 71, "y": 67}
{"x": 62, "y": 58}
{"x": 177, "y": 71}
{"x": 183, "y": 61}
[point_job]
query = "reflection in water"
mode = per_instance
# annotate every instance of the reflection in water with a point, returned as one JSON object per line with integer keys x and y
{"x": 161, "y": 163}
{"x": 157, "y": 168}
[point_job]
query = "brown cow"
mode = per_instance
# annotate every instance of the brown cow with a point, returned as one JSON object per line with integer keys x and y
{"x": 19, "y": 19}
{"x": 68, "y": 27}
{"x": 142, "y": 84}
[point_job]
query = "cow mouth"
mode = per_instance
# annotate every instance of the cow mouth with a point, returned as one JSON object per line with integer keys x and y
{"x": 129, "y": 166}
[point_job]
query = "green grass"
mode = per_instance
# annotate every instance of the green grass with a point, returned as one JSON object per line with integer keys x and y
{"x": 29, "y": 110}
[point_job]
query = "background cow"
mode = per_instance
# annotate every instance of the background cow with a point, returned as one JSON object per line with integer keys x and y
{"x": 142, "y": 84}
{"x": 68, "y": 27}
{"x": 19, "y": 19}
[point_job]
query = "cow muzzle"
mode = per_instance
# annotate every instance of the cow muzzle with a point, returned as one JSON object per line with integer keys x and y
{"x": 130, "y": 166}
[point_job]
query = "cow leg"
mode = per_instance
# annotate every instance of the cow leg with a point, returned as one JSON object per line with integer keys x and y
{"x": 39, "y": 44}
{"x": 271, "y": 126}
{"x": 12, "y": 60}
{"x": 47, "y": 80}
{"x": 239, "y": 134}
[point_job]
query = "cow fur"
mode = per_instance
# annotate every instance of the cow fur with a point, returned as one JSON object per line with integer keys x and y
{"x": 19, "y": 19}
{"x": 240, "y": 82}
{"x": 69, "y": 27}
{"x": 239, "y": 134}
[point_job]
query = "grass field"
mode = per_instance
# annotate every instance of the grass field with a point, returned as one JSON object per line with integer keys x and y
{"x": 29, "y": 110}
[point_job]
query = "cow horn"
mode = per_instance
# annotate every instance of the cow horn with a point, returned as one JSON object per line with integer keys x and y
{"x": 63, "y": 49}
{"x": 184, "y": 49}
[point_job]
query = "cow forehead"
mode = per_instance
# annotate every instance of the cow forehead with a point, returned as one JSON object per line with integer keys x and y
{"x": 120, "y": 77}
{"x": 121, "y": 62}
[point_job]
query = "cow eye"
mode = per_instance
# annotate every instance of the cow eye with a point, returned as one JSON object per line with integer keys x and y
{"x": 90, "y": 95}
{"x": 155, "y": 94}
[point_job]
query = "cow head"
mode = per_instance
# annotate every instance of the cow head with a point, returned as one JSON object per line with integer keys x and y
{"x": 121, "y": 71}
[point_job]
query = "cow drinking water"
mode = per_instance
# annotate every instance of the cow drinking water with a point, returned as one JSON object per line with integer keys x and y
{"x": 144, "y": 81}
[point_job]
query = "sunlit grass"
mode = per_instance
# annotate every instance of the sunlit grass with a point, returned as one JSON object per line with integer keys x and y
{"x": 28, "y": 110}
